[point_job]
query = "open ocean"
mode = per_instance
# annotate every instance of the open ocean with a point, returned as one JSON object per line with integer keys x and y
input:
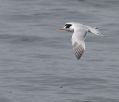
{"x": 37, "y": 63}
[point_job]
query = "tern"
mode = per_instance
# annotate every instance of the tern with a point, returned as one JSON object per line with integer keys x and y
{"x": 79, "y": 35}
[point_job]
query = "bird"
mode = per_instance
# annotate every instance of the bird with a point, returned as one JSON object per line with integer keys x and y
{"x": 79, "y": 35}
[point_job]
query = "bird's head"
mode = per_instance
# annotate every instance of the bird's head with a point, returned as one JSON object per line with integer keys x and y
{"x": 68, "y": 27}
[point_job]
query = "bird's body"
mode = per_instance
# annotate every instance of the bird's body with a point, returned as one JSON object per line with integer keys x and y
{"x": 79, "y": 34}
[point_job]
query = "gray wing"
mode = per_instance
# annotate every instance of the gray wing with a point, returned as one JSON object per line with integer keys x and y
{"x": 79, "y": 49}
{"x": 94, "y": 30}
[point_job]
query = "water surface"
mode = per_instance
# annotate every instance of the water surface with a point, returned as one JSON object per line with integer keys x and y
{"x": 37, "y": 62}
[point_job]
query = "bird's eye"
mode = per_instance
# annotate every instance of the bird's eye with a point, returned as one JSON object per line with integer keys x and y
{"x": 67, "y": 25}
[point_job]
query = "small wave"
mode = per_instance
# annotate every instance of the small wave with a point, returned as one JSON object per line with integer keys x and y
{"x": 20, "y": 38}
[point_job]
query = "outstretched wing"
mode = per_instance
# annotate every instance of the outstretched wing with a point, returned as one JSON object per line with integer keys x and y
{"x": 94, "y": 30}
{"x": 79, "y": 49}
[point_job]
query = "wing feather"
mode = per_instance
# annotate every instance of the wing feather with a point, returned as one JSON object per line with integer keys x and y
{"x": 94, "y": 30}
{"x": 78, "y": 50}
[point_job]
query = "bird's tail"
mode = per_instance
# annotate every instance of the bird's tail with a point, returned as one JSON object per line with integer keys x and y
{"x": 94, "y": 30}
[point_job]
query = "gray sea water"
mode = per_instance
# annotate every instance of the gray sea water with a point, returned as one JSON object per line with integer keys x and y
{"x": 36, "y": 59}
